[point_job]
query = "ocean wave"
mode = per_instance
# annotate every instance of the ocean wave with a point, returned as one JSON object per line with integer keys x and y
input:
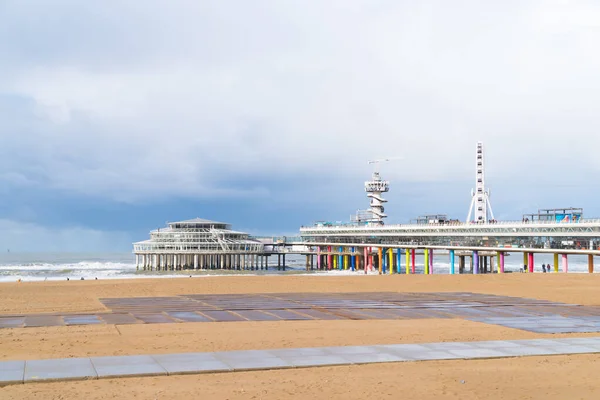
{"x": 117, "y": 268}
{"x": 82, "y": 265}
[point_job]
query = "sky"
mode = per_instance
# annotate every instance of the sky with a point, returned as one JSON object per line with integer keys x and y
{"x": 118, "y": 116}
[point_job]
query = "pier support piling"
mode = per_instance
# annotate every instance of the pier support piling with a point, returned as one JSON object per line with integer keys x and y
{"x": 475, "y": 262}
{"x": 318, "y": 257}
{"x": 531, "y": 261}
{"x": 565, "y": 263}
{"x": 591, "y": 263}
{"x": 451, "y": 271}
{"x": 430, "y": 261}
{"x": 485, "y": 265}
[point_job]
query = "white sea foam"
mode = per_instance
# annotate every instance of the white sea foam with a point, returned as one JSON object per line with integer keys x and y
{"x": 54, "y": 267}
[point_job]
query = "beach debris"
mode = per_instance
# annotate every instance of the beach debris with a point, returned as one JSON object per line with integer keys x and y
{"x": 463, "y": 382}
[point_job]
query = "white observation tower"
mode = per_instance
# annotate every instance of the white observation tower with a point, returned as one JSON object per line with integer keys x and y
{"x": 480, "y": 204}
{"x": 374, "y": 188}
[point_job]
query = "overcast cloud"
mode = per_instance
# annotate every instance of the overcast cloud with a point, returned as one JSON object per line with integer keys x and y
{"x": 128, "y": 100}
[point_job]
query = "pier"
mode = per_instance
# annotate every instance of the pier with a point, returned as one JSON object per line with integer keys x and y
{"x": 200, "y": 244}
{"x": 481, "y": 242}
{"x": 478, "y": 245}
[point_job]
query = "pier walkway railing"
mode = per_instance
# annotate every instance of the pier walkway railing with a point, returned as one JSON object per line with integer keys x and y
{"x": 582, "y": 228}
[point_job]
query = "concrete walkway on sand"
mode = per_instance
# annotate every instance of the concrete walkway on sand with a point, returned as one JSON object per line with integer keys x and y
{"x": 64, "y": 369}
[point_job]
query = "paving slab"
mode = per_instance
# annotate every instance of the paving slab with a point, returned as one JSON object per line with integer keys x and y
{"x": 11, "y": 372}
{"x": 119, "y": 319}
{"x": 447, "y": 346}
{"x": 315, "y": 361}
{"x": 369, "y": 358}
{"x": 289, "y": 315}
{"x": 419, "y": 352}
{"x": 154, "y": 318}
{"x": 43, "y": 320}
{"x": 431, "y": 355}
{"x": 222, "y": 316}
{"x": 82, "y": 320}
{"x": 243, "y": 354}
{"x": 537, "y": 342}
{"x": 317, "y": 314}
{"x": 257, "y": 315}
{"x": 123, "y": 366}
{"x": 573, "y": 349}
{"x": 247, "y": 364}
{"x": 555, "y": 330}
{"x": 348, "y": 314}
{"x": 479, "y": 353}
{"x": 345, "y": 350}
{"x": 190, "y": 363}
{"x": 496, "y": 344}
{"x": 581, "y": 341}
{"x": 188, "y": 316}
{"x": 528, "y": 351}
{"x": 61, "y": 369}
{"x": 405, "y": 348}
{"x": 11, "y": 322}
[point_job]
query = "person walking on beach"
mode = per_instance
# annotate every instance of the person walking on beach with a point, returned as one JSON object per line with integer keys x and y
{"x": 544, "y": 268}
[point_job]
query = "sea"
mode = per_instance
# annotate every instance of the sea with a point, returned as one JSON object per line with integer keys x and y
{"x": 62, "y": 266}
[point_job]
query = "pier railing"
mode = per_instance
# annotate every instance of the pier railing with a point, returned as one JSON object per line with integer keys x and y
{"x": 593, "y": 221}
{"x": 278, "y": 239}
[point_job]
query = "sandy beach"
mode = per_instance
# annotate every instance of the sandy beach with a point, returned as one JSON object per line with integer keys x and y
{"x": 531, "y": 377}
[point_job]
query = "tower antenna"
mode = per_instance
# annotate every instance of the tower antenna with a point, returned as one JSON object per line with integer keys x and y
{"x": 481, "y": 206}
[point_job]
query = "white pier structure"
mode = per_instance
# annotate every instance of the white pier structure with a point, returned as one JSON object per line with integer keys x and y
{"x": 374, "y": 188}
{"x": 199, "y": 243}
{"x": 547, "y": 234}
{"x": 481, "y": 207}
{"x": 563, "y": 228}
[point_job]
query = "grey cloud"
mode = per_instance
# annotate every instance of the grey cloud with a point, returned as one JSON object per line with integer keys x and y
{"x": 174, "y": 98}
{"x": 20, "y": 236}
